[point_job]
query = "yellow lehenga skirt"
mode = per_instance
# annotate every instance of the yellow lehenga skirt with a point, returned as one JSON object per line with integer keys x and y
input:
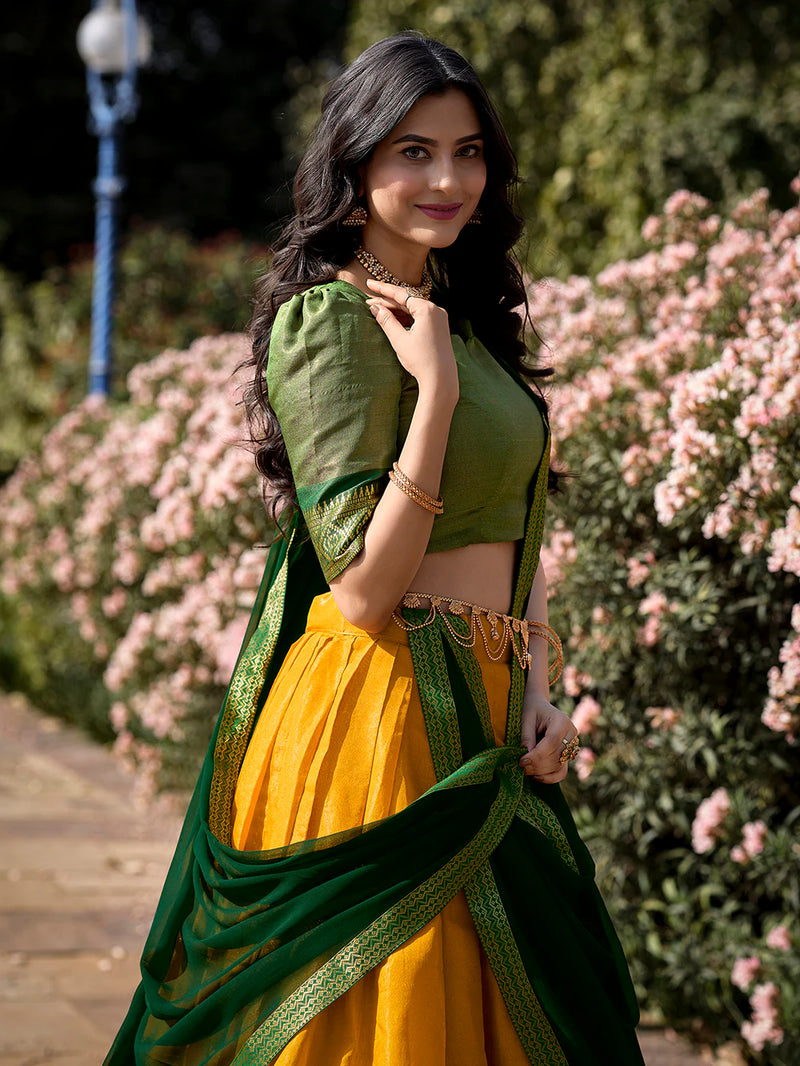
{"x": 342, "y": 742}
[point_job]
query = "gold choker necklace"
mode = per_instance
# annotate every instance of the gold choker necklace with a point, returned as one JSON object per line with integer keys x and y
{"x": 379, "y": 271}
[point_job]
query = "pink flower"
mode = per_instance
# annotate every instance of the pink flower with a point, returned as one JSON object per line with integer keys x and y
{"x": 753, "y": 836}
{"x": 648, "y": 634}
{"x": 760, "y": 1033}
{"x": 584, "y": 763}
{"x": 709, "y": 817}
{"x": 114, "y": 603}
{"x": 558, "y": 554}
{"x": 779, "y": 938}
{"x": 762, "y": 1029}
{"x": 663, "y": 717}
{"x": 119, "y": 716}
{"x": 744, "y": 971}
{"x": 639, "y": 569}
{"x": 228, "y": 643}
{"x": 652, "y": 229}
{"x": 574, "y": 680}
{"x": 585, "y": 715}
{"x": 654, "y": 604}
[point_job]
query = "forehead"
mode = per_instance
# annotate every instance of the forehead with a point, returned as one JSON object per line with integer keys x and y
{"x": 449, "y": 114}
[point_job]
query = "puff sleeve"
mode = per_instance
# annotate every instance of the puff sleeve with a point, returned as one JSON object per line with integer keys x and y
{"x": 335, "y": 385}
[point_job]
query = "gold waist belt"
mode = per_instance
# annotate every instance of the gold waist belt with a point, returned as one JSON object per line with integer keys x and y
{"x": 503, "y": 629}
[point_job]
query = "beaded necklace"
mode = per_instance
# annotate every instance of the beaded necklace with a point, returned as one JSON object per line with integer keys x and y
{"x": 374, "y": 267}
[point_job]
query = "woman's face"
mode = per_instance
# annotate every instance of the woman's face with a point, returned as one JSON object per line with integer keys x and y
{"x": 425, "y": 179}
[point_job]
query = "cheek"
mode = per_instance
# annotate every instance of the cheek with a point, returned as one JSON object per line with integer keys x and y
{"x": 478, "y": 183}
{"x": 385, "y": 178}
{"x": 392, "y": 191}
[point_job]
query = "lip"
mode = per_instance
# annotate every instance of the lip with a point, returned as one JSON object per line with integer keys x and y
{"x": 441, "y": 212}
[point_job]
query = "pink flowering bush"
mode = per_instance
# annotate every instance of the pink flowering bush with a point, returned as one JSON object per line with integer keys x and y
{"x": 132, "y": 548}
{"x": 673, "y": 558}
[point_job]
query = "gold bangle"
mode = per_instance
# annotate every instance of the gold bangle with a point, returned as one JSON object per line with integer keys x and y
{"x": 434, "y": 504}
{"x": 551, "y": 638}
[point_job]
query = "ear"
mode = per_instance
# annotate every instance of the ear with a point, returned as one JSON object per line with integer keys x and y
{"x": 360, "y": 172}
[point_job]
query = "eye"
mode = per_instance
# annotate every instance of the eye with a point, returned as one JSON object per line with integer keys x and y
{"x": 470, "y": 151}
{"x": 415, "y": 151}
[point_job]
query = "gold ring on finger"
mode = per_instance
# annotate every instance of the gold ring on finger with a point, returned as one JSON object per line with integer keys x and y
{"x": 571, "y": 749}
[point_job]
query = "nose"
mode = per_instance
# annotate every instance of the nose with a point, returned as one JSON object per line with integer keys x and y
{"x": 443, "y": 175}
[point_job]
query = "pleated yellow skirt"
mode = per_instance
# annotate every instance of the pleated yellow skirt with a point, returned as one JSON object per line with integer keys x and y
{"x": 341, "y": 742}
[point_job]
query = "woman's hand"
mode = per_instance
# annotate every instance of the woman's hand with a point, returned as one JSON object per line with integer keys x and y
{"x": 544, "y": 729}
{"x": 419, "y": 332}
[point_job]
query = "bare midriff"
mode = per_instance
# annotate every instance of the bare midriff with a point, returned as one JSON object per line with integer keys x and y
{"x": 478, "y": 573}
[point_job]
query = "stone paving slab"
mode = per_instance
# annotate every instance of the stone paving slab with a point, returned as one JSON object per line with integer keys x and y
{"x": 80, "y": 873}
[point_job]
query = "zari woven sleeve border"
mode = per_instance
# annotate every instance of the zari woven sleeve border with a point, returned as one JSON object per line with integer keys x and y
{"x": 335, "y": 385}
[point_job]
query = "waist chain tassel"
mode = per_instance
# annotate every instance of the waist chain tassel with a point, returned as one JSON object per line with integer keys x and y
{"x": 503, "y": 629}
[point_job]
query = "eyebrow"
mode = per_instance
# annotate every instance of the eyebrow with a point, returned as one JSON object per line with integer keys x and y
{"x": 429, "y": 140}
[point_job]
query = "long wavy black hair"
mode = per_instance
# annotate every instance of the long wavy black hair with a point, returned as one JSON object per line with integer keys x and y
{"x": 477, "y": 277}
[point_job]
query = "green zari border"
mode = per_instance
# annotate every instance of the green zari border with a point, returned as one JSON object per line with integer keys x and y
{"x": 527, "y": 1015}
{"x": 436, "y": 698}
{"x": 535, "y": 812}
{"x": 531, "y": 547}
{"x": 336, "y": 526}
{"x": 241, "y": 707}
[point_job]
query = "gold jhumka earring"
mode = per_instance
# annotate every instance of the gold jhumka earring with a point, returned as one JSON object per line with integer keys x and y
{"x": 357, "y": 217}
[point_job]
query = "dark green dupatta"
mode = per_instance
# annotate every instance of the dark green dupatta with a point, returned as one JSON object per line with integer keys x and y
{"x": 247, "y": 947}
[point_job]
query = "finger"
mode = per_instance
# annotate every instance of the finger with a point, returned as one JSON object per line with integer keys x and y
{"x": 538, "y": 765}
{"x": 550, "y": 778}
{"x": 398, "y": 310}
{"x": 528, "y": 735}
{"x": 545, "y": 757}
{"x": 387, "y": 320}
{"x": 398, "y": 293}
{"x": 555, "y": 738}
{"x": 389, "y": 301}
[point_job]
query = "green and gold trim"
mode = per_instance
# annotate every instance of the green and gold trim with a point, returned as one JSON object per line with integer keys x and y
{"x": 529, "y": 561}
{"x": 527, "y": 1016}
{"x": 336, "y": 526}
{"x": 240, "y": 708}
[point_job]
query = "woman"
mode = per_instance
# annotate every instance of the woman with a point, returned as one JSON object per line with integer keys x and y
{"x": 378, "y": 865}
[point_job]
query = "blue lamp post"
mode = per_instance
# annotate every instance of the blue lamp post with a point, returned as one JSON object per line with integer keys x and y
{"x": 113, "y": 41}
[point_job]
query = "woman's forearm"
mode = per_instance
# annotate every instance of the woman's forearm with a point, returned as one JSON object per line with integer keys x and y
{"x": 538, "y": 678}
{"x": 398, "y": 533}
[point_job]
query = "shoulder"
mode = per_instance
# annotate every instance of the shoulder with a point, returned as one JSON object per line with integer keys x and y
{"x": 327, "y": 333}
{"x": 319, "y": 308}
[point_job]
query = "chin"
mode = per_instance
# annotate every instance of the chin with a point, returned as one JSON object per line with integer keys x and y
{"x": 445, "y": 242}
{"x": 443, "y": 235}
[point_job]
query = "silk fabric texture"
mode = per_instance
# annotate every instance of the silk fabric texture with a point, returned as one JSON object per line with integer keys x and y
{"x": 249, "y": 946}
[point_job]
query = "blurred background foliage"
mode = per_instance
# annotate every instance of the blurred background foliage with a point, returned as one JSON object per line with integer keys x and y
{"x": 207, "y": 152}
{"x": 171, "y": 289}
{"x": 611, "y": 104}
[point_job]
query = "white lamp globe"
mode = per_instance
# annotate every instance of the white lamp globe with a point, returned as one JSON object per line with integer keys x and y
{"x": 101, "y": 40}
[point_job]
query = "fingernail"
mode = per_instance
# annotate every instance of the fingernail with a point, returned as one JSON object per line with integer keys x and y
{"x": 373, "y": 308}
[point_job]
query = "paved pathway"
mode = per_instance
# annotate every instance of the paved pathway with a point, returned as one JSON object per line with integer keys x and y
{"x": 80, "y": 871}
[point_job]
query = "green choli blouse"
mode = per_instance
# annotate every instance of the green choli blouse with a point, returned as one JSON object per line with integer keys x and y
{"x": 344, "y": 404}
